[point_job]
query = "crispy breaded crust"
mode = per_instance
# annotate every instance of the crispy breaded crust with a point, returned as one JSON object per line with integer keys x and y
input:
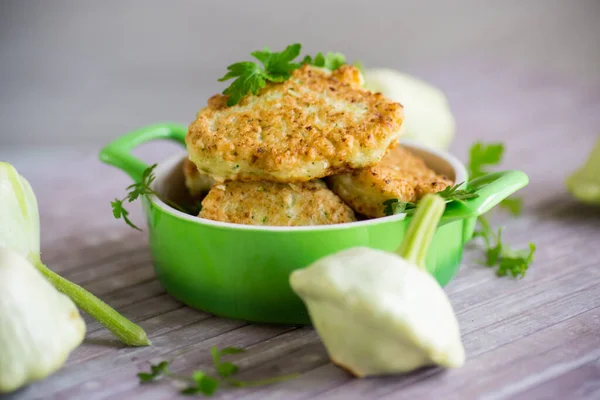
{"x": 196, "y": 182}
{"x": 275, "y": 204}
{"x": 313, "y": 125}
{"x": 400, "y": 175}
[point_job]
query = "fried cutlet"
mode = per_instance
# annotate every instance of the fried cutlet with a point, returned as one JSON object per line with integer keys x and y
{"x": 313, "y": 125}
{"x": 400, "y": 175}
{"x": 275, "y": 204}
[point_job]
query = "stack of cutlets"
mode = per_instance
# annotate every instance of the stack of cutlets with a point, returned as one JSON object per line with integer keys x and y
{"x": 263, "y": 161}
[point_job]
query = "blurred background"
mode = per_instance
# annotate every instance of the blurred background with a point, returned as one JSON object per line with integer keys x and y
{"x": 83, "y": 72}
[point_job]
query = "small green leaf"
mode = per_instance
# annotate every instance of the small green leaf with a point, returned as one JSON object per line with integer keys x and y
{"x": 216, "y": 356}
{"x": 161, "y": 368}
{"x": 209, "y": 386}
{"x": 145, "y": 377}
{"x": 494, "y": 253}
{"x": 250, "y": 78}
{"x": 483, "y": 156}
{"x": 226, "y": 369}
{"x": 279, "y": 65}
{"x": 120, "y": 212}
{"x": 453, "y": 193}
{"x": 117, "y": 208}
{"x": 231, "y": 350}
{"x": 136, "y": 190}
{"x": 500, "y": 255}
{"x": 513, "y": 204}
{"x": 203, "y": 384}
{"x": 330, "y": 61}
{"x": 449, "y": 194}
{"x": 394, "y": 206}
{"x": 157, "y": 371}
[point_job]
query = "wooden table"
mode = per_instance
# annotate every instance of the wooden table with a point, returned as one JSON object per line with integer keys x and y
{"x": 535, "y": 338}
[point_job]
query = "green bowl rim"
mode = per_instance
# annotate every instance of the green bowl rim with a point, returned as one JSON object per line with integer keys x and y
{"x": 460, "y": 174}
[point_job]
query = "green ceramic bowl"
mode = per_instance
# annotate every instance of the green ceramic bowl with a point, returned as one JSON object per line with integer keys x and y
{"x": 241, "y": 271}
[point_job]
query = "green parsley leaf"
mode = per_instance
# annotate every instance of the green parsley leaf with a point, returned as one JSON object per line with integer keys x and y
{"x": 231, "y": 350}
{"x": 225, "y": 369}
{"x": 135, "y": 191}
{"x": 330, "y": 61}
{"x": 120, "y": 212}
{"x": 279, "y": 66}
{"x": 449, "y": 194}
{"x": 145, "y": 377}
{"x": 156, "y": 372}
{"x": 142, "y": 188}
{"x": 394, "y": 206}
{"x": 483, "y": 156}
{"x": 250, "y": 77}
{"x": 516, "y": 262}
{"x": 500, "y": 255}
{"x": 453, "y": 193}
{"x": 203, "y": 384}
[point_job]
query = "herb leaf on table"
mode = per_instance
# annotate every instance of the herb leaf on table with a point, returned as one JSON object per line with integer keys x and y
{"x": 156, "y": 372}
{"x": 498, "y": 254}
{"x": 202, "y": 383}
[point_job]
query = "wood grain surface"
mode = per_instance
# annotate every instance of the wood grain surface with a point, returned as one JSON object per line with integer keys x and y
{"x": 535, "y": 338}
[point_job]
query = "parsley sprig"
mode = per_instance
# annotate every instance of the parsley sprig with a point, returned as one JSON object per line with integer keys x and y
{"x": 331, "y": 60}
{"x": 202, "y": 383}
{"x": 136, "y": 190}
{"x": 450, "y": 194}
{"x": 250, "y": 77}
{"x": 156, "y": 372}
{"x": 481, "y": 157}
{"x": 498, "y": 254}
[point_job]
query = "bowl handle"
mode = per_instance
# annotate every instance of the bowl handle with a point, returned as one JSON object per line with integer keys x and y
{"x": 118, "y": 152}
{"x": 492, "y": 188}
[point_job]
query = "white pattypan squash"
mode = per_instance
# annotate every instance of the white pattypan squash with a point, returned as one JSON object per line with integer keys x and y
{"x": 19, "y": 218}
{"x": 39, "y": 326}
{"x": 379, "y": 312}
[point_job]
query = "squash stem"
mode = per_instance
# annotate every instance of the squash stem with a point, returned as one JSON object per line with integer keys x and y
{"x": 128, "y": 332}
{"x": 421, "y": 230}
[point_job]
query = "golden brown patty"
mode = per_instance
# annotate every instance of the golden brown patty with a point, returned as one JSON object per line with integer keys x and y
{"x": 276, "y": 204}
{"x": 197, "y": 183}
{"x": 400, "y": 175}
{"x": 310, "y": 126}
